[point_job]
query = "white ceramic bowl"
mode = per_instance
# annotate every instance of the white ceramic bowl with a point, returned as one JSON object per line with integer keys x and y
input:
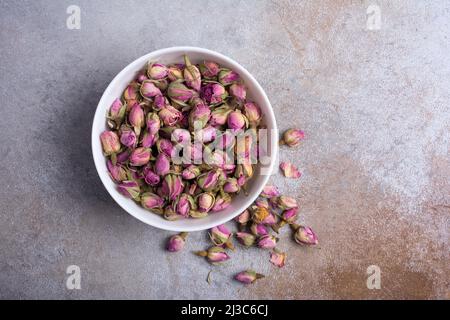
{"x": 254, "y": 93}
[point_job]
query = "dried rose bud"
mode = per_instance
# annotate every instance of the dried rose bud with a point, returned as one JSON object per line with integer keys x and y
{"x": 248, "y": 276}
{"x": 117, "y": 110}
{"x": 222, "y": 202}
{"x": 172, "y": 186}
{"x": 209, "y": 180}
{"x": 238, "y": 92}
{"x": 179, "y": 93}
{"x": 151, "y": 201}
{"x": 213, "y": 93}
{"x": 166, "y": 147}
{"x": 192, "y": 75}
{"x": 129, "y": 189}
{"x": 258, "y": 229}
{"x": 148, "y": 139}
{"x": 267, "y": 242}
{"x": 214, "y": 255}
{"x": 185, "y": 204}
{"x": 304, "y": 235}
{"x": 246, "y": 239}
{"x": 243, "y": 218}
{"x": 219, "y": 116}
{"x": 278, "y": 258}
{"x": 209, "y": 69}
{"x": 290, "y": 215}
{"x": 137, "y": 118}
{"x": 141, "y": 77}
{"x": 150, "y": 177}
{"x": 236, "y": 120}
{"x": 149, "y": 89}
{"x": 175, "y": 73}
{"x": 262, "y": 203}
{"x": 270, "y": 192}
{"x": 110, "y": 142}
{"x": 157, "y": 71}
{"x": 131, "y": 93}
{"x": 253, "y": 113}
{"x": 190, "y": 172}
{"x": 117, "y": 172}
{"x": 181, "y": 136}
{"x": 162, "y": 165}
{"x": 199, "y": 116}
{"x": 123, "y": 156}
{"x": 205, "y": 201}
{"x": 206, "y": 134}
{"x": 289, "y": 170}
{"x": 221, "y": 236}
{"x": 159, "y": 102}
{"x": 176, "y": 242}
{"x": 259, "y": 214}
{"x": 243, "y": 170}
{"x": 226, "y": 141}
{"x": 270, "y": 219}
{"x": 128, "y": 138}
{"x": 170, "y": 116}
{"x": 231, "y": 186}
{"x": 140, "y": 156}
{"x": 227, "y": 77}
{"x": 153, "y": 123}
{"x": 285, "y": 202}
{"x": 292, "y": 137}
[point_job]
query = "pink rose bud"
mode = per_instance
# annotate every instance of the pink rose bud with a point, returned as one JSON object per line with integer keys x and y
{"x": 243, "y": 218}
{"x": 258, "y": 229}
{"x": 262, "y": 203}
{"x": 151, "y": 201}
{"x": 209, "y": 69}
{"x": 289, "y": 170}
{"x": 236, "y": 120}
{"x": 129, "y": 189}
{"x": 270, "y": 192}
{"x": 117, "y": 110}
{"x": 209, "y": 180}
{"x": 176, "y": 242}
{"x": 141, "y": 77}
{"x": 231, "y": 186}
{"x": 270, "y": 219}
{"x": 131, "y": 93}
{"x": 205, "y": 201}
{"x": 284, "y": 203}
{"x": 199, "y": 116}
{"x": 128, "y": 138}
{"x": 166, "y": 147}
{"x": 304, "y": 235}
{"x": 248, "y": 276}
{"x": 227, "y": 77}
{"x": 219, "y": 116}
{"x": 148, "y": 139}
{"x": 162, "y": 164}
{"x": 181, "y": 136}
{"x": 292, "y": 137}
{"x": 153, "y": 123}
{"x": 149, "y": 89}
{"x": 123, "y": 156}
{"x": 175, "y": 73}
{"x": 238, "y": 92}
{"x": 117, "y": 172}
{"x": 222, "y": 202}
{"x": 213, "y": 93}
{"x": 170, "y": 116}
{"x": 252, "y": 112}
{"x": 172, "y": 186}
{"x": 278, "y": 258}
{"x": 221, "y": 236}
{"x": 151, "y": 178}
{"x": 140, "y": 156}
{"x": 214, "y": 255}
{"x": 206, "y": 134}
{"x": 184, "y": 205}
{"x": 246, "y": 239}
{"x": 157, "y": 71}
{"x": 136, "y": 117}
{"x": 190, "y": 172}
{"x": 159, "y": 102}
{"x": 192, "y": 75}
{"x": 267, "y": 242}
{"x": 178, "y": 92}
{"x": 290, "y": 215}
{"x": 110, "y": 142}
{"x": 226, "y": 141}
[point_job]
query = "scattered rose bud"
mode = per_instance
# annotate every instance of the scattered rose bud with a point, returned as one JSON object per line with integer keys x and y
{"x": 284, "y": 203}
{"x": 292, "y": 137}
{"x": 304, "y": 235}
{"x": 110, "y": 142}
{"x": 243, "y": 218}
{"x": 258, "y": 229}
{"x": 289, "y": 170}
{"x": 246, "y": 239}
{"x": 270, "y": 192}
{"x": 248, "y": 276}
{"x": 140, "y": 157}
{"x": 176, "y": 242}
{"x": 267, "y": 242}
{"x": 215, "y": 255}
{"x": 166, "y": 147}
{"x": 221, "y": 236}
{"x": 259, "y": 214}
{"x": 278, "y": 258}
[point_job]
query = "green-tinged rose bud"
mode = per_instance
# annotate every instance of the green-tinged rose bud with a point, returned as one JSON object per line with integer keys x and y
{"x": 179, "y": 93}
{"x": 292, "y": 137}
{"x": 140, "y": 157}
{"x": 176, "y": 242}
{"x": 209, "y": 69}
{"x": 110, "y": 142}
{"x": 221, "y": 236}
{"x": 278, "y": 258}
{"x": 129, "y": 189}
{"x": 205, "y": 202}
{"x": 214, "y": 255}
{"x": 192, "y": 75}
{"x": 175, "y": 73}
{"x": 253, "y": 113}
{"x": 219, "y": 116}
{"x": 304, "y": 235}
{"x": 285, "y": 202}
{"x": 117, "y": 111}
{"x": 149, "y": 89}
{"x": 248, "y": 276}
{"x": 267, "y": 242}
{"x": 246, "y": 239}
{"x": 209, "y": 180}
{"x": 150, "y": 201}
{"x": 227, "y": 77}
{"x": 157, "y": 71}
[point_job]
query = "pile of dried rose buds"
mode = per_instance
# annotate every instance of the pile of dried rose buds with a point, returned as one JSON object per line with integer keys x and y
{"x": 169, "y": 119}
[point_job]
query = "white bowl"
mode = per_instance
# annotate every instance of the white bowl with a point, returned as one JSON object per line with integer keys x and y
{"x": 254, "y": 93}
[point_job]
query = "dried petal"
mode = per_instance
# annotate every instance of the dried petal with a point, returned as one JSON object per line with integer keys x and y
{"x": 289, "y": 170}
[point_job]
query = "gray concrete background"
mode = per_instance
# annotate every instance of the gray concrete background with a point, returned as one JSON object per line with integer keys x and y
{"x": 374, "y": 105}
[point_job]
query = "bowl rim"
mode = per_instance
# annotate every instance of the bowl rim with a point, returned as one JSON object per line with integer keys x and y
{"x": 186, "y": 49}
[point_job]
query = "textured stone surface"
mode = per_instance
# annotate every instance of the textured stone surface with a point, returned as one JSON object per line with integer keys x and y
{"x": 374, "y": 105}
